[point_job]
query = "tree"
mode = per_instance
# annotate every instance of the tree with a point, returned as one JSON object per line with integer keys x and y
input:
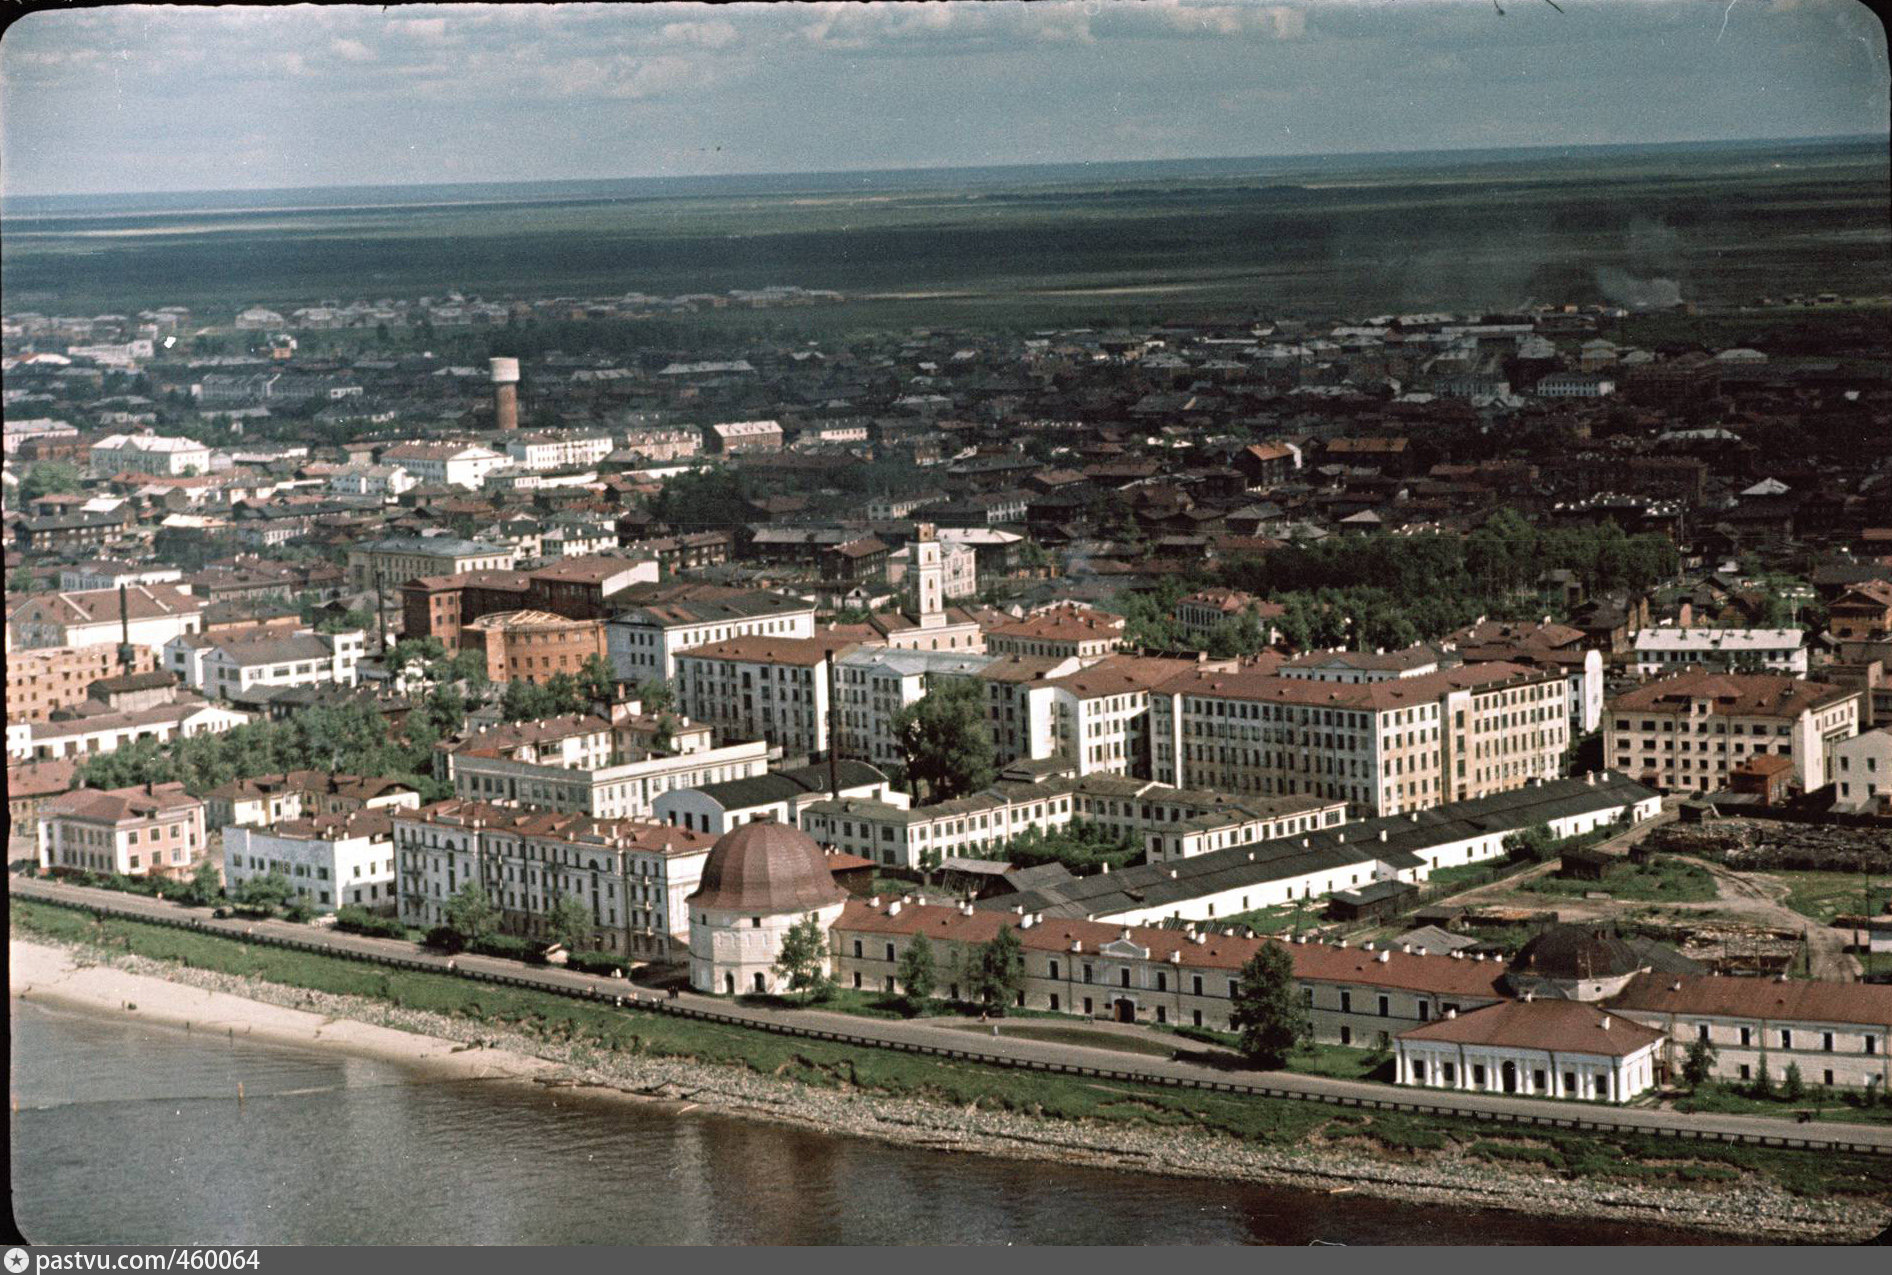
{"x": 1698, "y": 1064}
{"x": 597, "y": 680}
{"x": 1534, "y": 843}
{"x": 944, "y": 741}
{"x": 205, "y": 884}
{"x": 915, "y": 973}
{"x": 48, "y": 477}
{"x": 803, "y": 962}
{"x": 471, "y": 914}
{"x": 996, "y": 970}
{"x": 1267, "y": 1008}
{"x": 1763, "y": 1078}
{"x": 1792, "y": 1087}
{"x": 271, "y": 890}
{"x": 655, "y": 696}
{"x": 570, "y": 924}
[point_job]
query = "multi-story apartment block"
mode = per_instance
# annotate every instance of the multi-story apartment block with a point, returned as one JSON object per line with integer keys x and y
{"x": 744, "y": 436}
{"x": 264, "y": 800}
{"x": 657, "y": 443}
{"x": 98, "y": 573}
{"x": 1067, "y": 629}
{"x": 133, "y": 832}
{"x": 1020, "y": 704}
{"x": 1686, "y": 732}
{"x": 330, "y": 860}
{"x": 543, "y": 451}
{"x": 224, "y": 665}
{"x": 1401, "y": 744}
{"x": 149, "y": 454}
{"x": 773, "y": 689}
{"x": 395, "y": 560}
{"x": 633, "y": 875}
{"x": 533, "y": 646}
{"x": 644, "y": 641}
{"x": 107, "y": 732}
{"x": 1862, "y": 770}
{"x": 1166, "y": 821}
{"x": 1543, "y": 645}
{"x": 877, "y": 682}
{"x": 446, "y": 464}
{"x": 586, "y": 765}
{"x": 1667, "y": 650}
{"x": 39, "y": 681}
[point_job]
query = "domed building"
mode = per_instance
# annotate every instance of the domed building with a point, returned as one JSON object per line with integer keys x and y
{"x": 759, "y": 880}
{"x": 1574, "y": 962}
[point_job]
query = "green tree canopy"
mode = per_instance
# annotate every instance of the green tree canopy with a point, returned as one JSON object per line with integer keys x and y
{"x": 1267, "y": 1010}
{"x": 471, "y": 914}
{"x": 803, "y": 960}
{"x": 271, "y": 890}
{"x": 49, "y": 477}
{"x": 944, "y": 741}
{"x": 915, "y": 972}
{"x": 995, "y": 971}
{"x": 569, "y": 923}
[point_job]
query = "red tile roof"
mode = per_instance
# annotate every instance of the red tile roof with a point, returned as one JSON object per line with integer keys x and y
{"x": 1797, "y": 1000}
{"x": 1562, "y": 1026}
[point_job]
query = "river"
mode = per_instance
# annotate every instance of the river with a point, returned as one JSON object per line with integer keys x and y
{"x": 130, "y": 1133}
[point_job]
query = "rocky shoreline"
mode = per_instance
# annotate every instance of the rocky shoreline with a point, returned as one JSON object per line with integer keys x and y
{"x": 1748, "y": 1210}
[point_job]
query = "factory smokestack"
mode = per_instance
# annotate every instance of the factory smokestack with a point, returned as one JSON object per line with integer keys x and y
{"x": 506, "y": 393}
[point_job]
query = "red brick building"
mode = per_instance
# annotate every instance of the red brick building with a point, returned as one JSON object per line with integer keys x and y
{"x": 533, "y": 646}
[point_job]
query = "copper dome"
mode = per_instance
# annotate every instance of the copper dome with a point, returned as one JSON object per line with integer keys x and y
{"x": 766, "y": 867}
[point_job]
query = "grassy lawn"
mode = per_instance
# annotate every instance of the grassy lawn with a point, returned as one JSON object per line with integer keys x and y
{"x": 1659, "y": 881}
{"x": 1280, "y": 919}
{"x": 1825, "y": 1106}
{"x": 1825, "y": 895}
{"x": 602, "y": 1029}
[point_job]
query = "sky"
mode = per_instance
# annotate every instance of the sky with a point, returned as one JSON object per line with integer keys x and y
{"x": 133, "y": 98}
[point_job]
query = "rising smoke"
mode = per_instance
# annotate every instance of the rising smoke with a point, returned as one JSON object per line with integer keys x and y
{"x": 1638, "y": 294}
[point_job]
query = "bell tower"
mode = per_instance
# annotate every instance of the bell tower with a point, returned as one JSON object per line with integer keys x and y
{"x": 928, "y": 572}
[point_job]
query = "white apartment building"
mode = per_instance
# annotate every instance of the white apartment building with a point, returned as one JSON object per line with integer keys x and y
{"x": 1686, "y": 732}
{"x": 153, "y": 615}
{"x": 644, "y": 641}
{"x": 107, "y": 732}
{"x": 395, "y": 560}
{"x": 1862, "y": 769}
{"x": 1668, "y": 650}
{"x": 84, "y": 577}
{"x": 330, "y": 860}
{"x": 1384, "y": 747}
{"x": 148, "y": 454}
{"x": 585, "y": 765}
{"x": 543, "y": 451}
{"x": 1166, "y": 821}
{"x": 1021, "y": 705}
{"x": 224, "y": 665}
{"x": 452, "y": 464}
{"x": 877, "y": 682}
{"x": 384, "y": 481}
{"x": 773, "y": 689}
{"x": 634, "y": 875}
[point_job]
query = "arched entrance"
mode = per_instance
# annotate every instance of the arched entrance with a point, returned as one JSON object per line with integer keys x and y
{"x": 729, "y": 984}
{"x": 1126, "y": 1010}
{"x": 1510, "y": 1072}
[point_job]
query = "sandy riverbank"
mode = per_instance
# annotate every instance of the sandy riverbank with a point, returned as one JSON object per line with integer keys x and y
{"x": 444, "y": 1048}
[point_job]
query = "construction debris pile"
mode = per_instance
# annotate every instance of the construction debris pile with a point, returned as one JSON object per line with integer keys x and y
{"x": 1758, "y": 844}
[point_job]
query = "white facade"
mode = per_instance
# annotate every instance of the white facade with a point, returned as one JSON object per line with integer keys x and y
{"x": 329, "y": 864}
{"x": 455, "y": 465}
{"x": 596, "y": 787}
{"x": 224, "y": 668}
{"x": 734, "y": 953}
{"x": 877, "y": 682}
{"x": 644, "y": 643}
{"x": 42, "y": 741}
{"x": 539, "y": 452}
{"x": 1527, "y": 1071}
{"x": 1862, "y": 769}
{"x": 1666, "y": 650}
{"x": 148, "y": 454}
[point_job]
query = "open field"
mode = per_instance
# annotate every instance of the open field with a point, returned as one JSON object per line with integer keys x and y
{"x": 1725, "y": 224}
{"x": 1660, "y": 881}
{"x": 1825, "y": 895}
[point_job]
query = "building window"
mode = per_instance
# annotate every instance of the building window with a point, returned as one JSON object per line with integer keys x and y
{"x": 1386, "y": 1006}
{"x": 1346, "y": 1035}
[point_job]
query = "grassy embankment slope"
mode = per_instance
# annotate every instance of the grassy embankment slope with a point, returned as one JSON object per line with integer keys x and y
{"x": 1262, "y": 1121}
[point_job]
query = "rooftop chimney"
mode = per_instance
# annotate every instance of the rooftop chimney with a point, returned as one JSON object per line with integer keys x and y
{"x": 506, "y": 393}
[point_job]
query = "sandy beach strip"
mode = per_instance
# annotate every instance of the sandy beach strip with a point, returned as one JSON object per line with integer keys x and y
{"x": 52, "y": 976}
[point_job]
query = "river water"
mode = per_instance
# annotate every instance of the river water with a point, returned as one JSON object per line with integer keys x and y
{"x": 128, "y": 1133}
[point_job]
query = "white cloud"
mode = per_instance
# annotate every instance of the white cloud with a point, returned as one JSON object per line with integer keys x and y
{"x": 708, "y": 35}
{"x": 351, "y": 50}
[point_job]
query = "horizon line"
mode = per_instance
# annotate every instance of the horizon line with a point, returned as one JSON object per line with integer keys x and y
{"x": 952, "y": 168}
